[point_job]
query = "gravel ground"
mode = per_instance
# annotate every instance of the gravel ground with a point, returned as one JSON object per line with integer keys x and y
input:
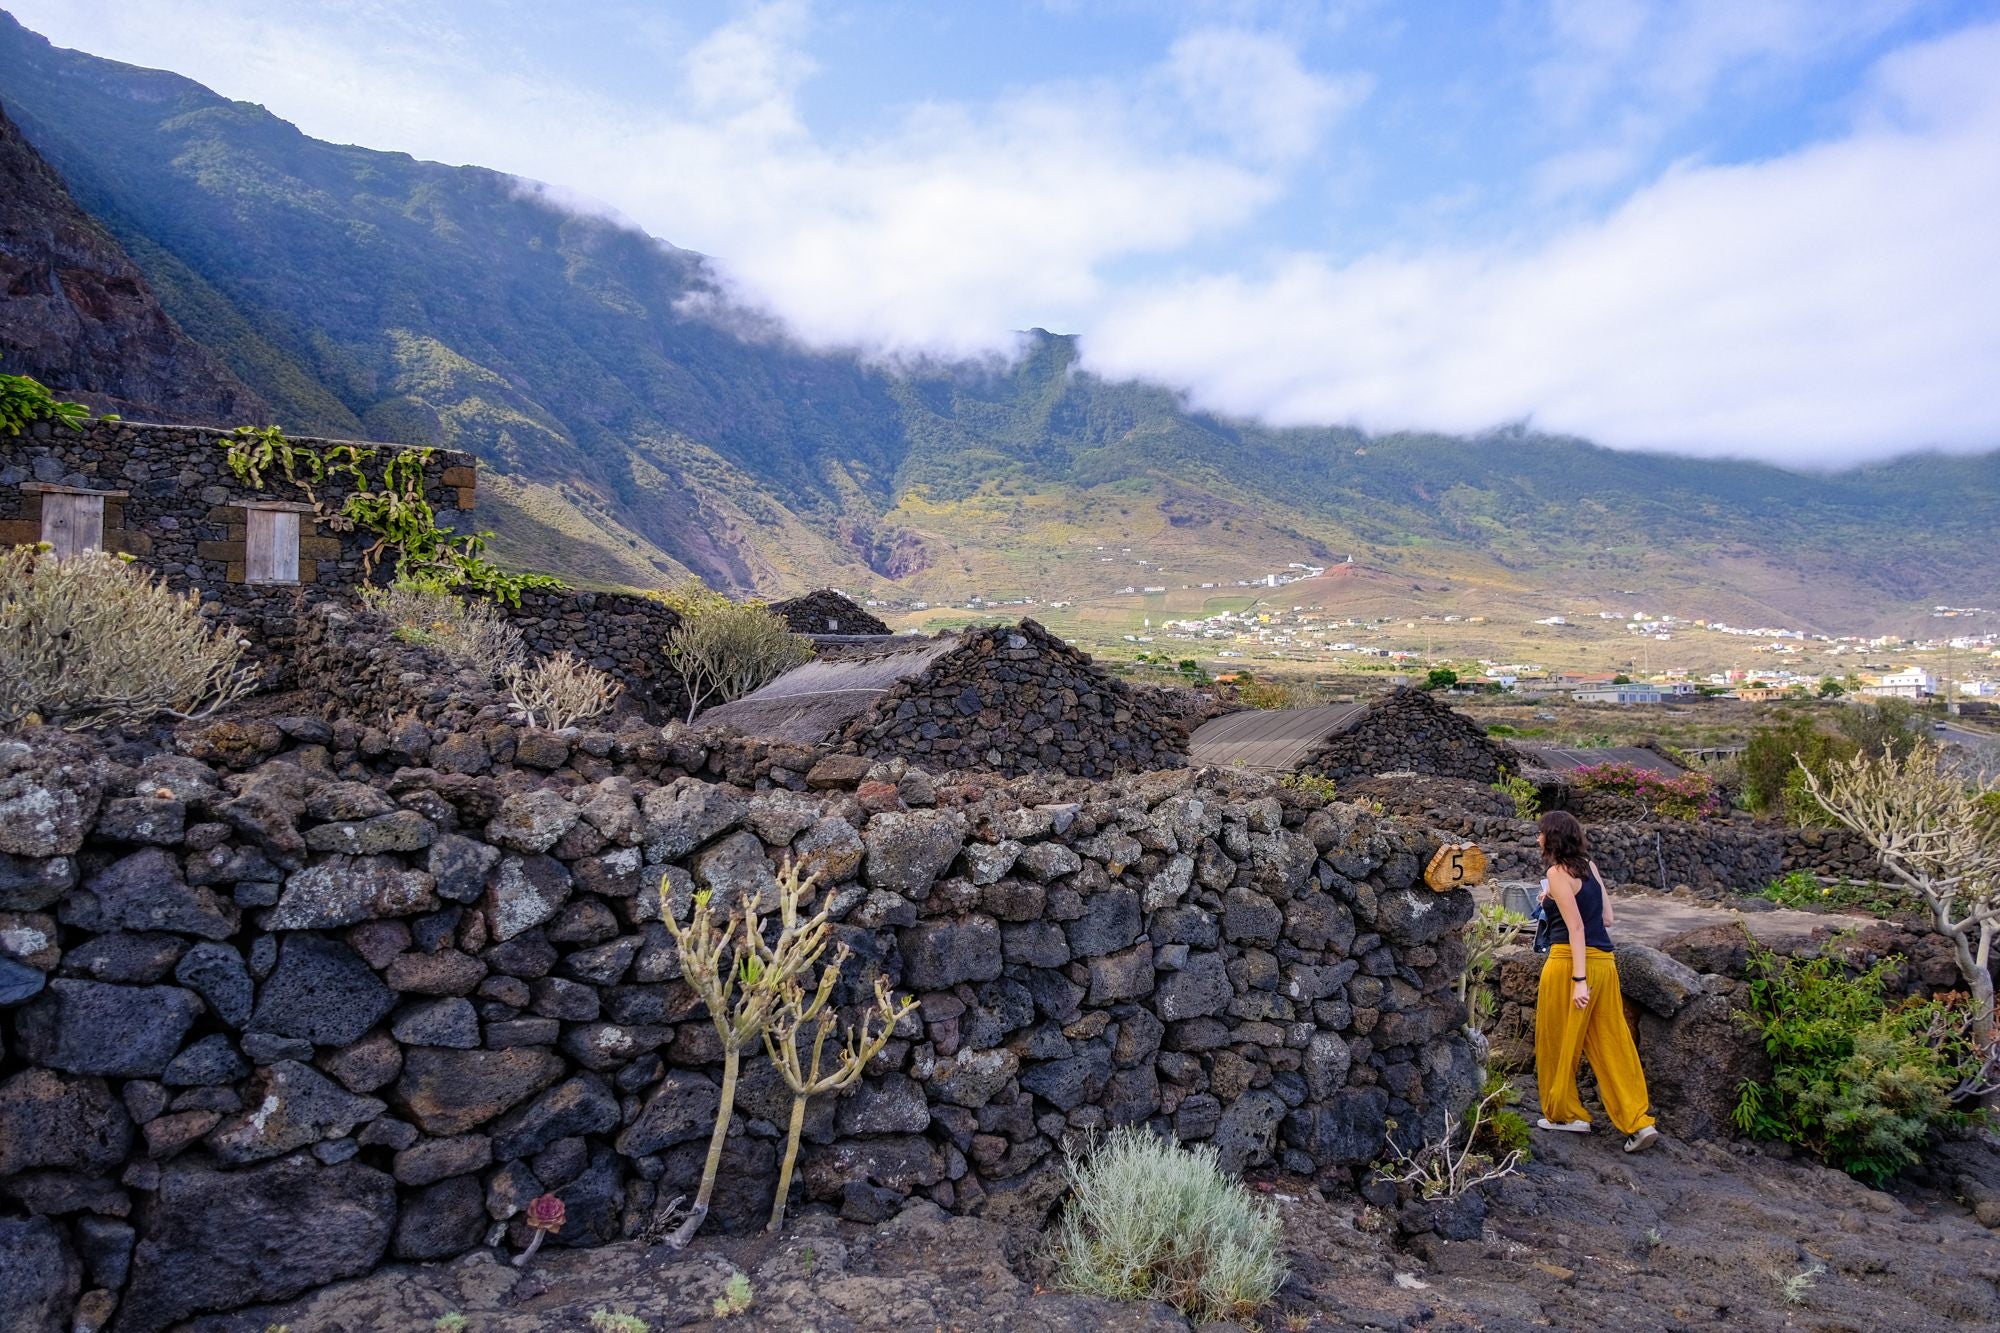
{"x": 1688, "y": 1236}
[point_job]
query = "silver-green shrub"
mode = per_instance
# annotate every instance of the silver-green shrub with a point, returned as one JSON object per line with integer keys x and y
{"x": 92, "y": 640}
{"x": 472, "y": 633}
{"x": 1148, "y": 1219}
{"x": 560, "y": 691}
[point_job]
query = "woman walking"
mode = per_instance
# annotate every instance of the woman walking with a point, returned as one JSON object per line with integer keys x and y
{"x": 1578, "y": 1011}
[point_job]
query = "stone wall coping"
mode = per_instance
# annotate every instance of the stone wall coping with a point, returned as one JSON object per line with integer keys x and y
{"x": 441, "y": 452}
{"x": 50, "y": 488}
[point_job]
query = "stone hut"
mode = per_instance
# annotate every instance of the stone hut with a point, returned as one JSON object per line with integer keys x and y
{"x": 828, "y": 612}
{"x": 1010, "y": 699}
{"x": 166, "y": 495}
{"x": 1405, "y": 731}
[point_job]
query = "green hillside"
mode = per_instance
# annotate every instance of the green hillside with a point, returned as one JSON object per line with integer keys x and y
{"x": 368, "y": 293}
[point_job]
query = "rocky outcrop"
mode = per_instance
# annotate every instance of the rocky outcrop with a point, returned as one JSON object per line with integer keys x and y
{"x": 76, "y": 314}
{"x": 1687, "y": 1001}
{"x": 269, "y": 1045}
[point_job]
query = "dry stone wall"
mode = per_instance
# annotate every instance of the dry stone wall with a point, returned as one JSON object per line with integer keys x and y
{"x": 1714, "y": 857}
{"x": 621, "y": 633}
{"x": 299, "y": 997}
{"x": 1017, "y": 699}
{"x": 1411, "y": 731}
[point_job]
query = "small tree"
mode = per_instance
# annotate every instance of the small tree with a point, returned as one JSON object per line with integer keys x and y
{"x": 1492, "y": 931}
{"x": 1440, "y": 678}
{"x": 724, "y": 649}
{"x": 90, "y": 640}
{"x": 1938, "y": 836}
{"x": 802, "y": 1074}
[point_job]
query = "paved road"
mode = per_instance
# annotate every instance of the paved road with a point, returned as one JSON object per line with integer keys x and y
{"x": 1979, "y": 751}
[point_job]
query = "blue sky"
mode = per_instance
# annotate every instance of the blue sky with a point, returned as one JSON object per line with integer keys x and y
{"x": 1752, "y": 227}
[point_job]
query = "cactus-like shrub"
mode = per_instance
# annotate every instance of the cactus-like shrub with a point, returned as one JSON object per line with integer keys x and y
{"x": 94, "y": 640}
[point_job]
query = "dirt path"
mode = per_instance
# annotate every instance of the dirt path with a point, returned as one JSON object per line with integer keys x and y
{"x": 1688, "y": 1236}
{"x": 1649, "y": 918}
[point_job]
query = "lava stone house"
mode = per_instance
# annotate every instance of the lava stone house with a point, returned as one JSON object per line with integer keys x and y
{"x": 1404, "y": 731}
{"x": 167, "y": 496}
{"x": 827, "y": 612}
{"x": 1011, "y": 699}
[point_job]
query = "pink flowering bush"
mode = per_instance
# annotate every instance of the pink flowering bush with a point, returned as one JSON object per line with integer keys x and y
{"x": 1685, "y": 796}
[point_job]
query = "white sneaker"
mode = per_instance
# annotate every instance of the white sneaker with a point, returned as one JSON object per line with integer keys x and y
{"x": 1643, "y": 1140}
{"x": 1566, "y": 1127}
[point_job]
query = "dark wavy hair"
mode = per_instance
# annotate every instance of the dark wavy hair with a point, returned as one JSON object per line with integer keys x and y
{"x": 1563, "y": 843}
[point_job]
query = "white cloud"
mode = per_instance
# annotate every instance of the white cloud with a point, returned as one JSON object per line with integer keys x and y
{"x": 1832, "y": 304}
{"x": 1622, "y": 75}
{"x": 943, "y": 231}
{"x": 1253, "y": 88}
{"x": 1837, "y": 303}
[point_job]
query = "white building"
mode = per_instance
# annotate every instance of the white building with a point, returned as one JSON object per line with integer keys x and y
{"x": 1909, "y": 683}
{"x": 1619, "y": 694}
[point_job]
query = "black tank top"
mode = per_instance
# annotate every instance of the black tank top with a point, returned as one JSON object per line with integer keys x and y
{"x": 1589, "y": 906}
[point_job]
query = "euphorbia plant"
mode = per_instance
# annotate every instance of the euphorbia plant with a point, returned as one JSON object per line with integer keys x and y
{"x": 742, "y": 980}
{"x": 864, "y": 1042}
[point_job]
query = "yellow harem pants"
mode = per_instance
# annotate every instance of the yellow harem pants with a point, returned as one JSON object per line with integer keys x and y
{"x": 1565, "y": 1034}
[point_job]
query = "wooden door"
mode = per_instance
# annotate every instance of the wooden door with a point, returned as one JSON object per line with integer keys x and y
{"x": 271, "y": 552}
{"x": 72, "y": 524}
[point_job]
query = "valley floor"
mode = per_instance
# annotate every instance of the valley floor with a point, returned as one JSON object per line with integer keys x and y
{"x": 1689, "y": 1236}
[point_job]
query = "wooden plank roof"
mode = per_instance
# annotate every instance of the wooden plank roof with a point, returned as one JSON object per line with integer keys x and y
{"x": 1275, "y": 739}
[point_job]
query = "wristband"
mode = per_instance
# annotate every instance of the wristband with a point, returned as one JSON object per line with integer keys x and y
{"x": 1582, "y": 979}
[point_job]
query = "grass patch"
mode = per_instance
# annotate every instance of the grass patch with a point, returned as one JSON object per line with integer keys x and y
{"x": 1803, "y": 889}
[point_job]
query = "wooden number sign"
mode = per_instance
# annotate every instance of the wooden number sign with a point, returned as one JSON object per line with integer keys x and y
{"x": 1457, "y": 865}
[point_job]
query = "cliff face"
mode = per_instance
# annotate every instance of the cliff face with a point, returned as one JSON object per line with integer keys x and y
{"x": 77, "y": 314}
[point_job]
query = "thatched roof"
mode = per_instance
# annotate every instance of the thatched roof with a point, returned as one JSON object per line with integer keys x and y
{"x": 810, "y": 703}
{"x": 1558, "y": 759}
{"x": 1277, "y": 739}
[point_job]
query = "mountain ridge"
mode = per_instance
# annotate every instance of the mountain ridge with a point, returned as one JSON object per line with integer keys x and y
{"x": 629, "y": 440}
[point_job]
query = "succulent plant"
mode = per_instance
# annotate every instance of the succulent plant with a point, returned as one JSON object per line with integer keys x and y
{"x": 545, "y": 1216}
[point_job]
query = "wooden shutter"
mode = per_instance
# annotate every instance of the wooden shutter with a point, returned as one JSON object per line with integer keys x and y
{"x": 72, "y": 524}
{"x": 271, "y": 554}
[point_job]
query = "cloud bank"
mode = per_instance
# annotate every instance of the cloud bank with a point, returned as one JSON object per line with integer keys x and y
{"x": 1817, "y": 305}
{"x": 1824, "y": 307}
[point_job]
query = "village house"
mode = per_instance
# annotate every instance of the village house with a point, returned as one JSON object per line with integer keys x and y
{"x": 1619, "y": 694}
{"x": 1908, "y": 683}
{"x": 167, "y": 496}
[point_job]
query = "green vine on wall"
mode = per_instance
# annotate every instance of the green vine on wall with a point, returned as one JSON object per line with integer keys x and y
{"x": 24, "y": 400}
{"x": 394, "y": 509}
